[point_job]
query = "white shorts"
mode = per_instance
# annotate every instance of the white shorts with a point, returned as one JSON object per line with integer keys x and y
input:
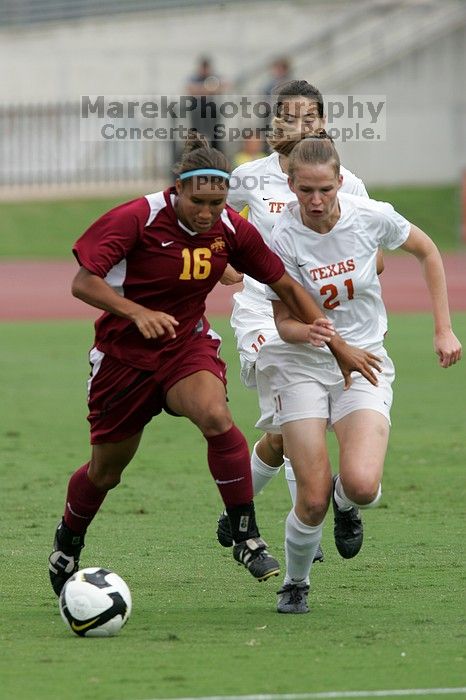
{"x": 253, "y": 326}
{"x": 306, "y": 397}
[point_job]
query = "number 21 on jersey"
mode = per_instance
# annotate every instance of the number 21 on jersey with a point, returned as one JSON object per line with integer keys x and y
{"x": 331, "y": 302}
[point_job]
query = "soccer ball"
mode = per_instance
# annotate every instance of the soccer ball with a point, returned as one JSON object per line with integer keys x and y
{"x": 95, "y": 602}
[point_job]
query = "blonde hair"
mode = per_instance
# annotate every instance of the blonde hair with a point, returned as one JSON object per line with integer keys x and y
{"x": 317, "y": 149}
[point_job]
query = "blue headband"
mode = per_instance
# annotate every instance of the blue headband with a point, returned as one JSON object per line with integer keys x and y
{"x": 204, "y": 171}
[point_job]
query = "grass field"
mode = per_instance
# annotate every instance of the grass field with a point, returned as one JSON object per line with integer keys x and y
{"x": 48, "y": 229}
{"x": 392, "y": 618}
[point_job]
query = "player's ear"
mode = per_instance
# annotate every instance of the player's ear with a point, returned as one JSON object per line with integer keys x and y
{"x": 178, "y": 186}
{"x": 291, "y": 185}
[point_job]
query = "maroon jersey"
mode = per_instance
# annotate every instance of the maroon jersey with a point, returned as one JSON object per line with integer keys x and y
{"x": 143, "y": 251}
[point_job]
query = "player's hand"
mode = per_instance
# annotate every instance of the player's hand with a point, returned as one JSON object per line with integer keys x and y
{"x": 352, "y": 359}
{"x": 321, "y": 332}
{"x": 231, "y": 276}
{"x": 448, "y": 348}
{"x": 154, "y": 324}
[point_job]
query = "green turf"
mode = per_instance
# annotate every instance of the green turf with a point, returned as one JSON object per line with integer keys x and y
{"x": 391, "y": 618}
{"x": 436, "y": 210}
{"x": 47, "y": 230}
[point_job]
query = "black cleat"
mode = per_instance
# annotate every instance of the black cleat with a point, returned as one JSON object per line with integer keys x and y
{"x": 293, "y": 598}
{"x": 254, "y": 556}
{"x": 64, "y": 560}
{"x": 224, "y": 530}
{"x": 347, "y": 529}
{"x": 226, "y": 540}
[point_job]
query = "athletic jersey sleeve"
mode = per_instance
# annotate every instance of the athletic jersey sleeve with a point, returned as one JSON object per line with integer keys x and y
{"x": 393, "y": 229}
{"x": 109, "y": 239}
{"x": 237, "y": 193}
{"x": 252, "y": 255}
{"x": 352, "y": 184}
{"x": 359, "y": 188}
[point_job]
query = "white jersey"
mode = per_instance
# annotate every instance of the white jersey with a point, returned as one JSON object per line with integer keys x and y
{"x": 263, "y": 186}
{"x": 339, "y": 268}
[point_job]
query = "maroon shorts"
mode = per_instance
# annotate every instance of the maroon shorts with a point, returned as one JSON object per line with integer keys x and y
{"x": 123, "y": 399}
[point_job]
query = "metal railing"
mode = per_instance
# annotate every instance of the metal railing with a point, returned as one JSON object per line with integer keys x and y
{"x": 40, "y": 146}
{"x": 59, "y": 144}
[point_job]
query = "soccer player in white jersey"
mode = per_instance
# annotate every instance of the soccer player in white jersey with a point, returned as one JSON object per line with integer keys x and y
{"x": 262, "y": 186}
{"x": 328, "y": 242}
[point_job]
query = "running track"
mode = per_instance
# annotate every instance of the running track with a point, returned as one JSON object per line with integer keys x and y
{"x": 40, "y": 290}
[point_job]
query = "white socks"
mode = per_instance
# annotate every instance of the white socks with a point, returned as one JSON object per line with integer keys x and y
{"x": 262, "y": 473}
{"x": 301, "y": 542}
{"x": 345, "y": 503}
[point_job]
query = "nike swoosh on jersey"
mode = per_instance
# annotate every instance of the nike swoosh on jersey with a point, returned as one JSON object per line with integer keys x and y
{"x": 85, "y": 625}
{"x": 165, "y": 243}
{"x": 266, "y": 199}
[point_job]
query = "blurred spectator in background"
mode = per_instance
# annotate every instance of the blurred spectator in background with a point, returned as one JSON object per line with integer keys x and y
{"x": 205, "y": 83}
{"x": 280, "y": 72}
{"x": 252, "y": 148}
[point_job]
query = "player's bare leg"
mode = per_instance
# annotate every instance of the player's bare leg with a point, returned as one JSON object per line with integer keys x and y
{"x": 303, "y": 531}
{"x": 363, "y": 439}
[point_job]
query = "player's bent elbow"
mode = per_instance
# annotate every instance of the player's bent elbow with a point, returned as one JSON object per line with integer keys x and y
{"x": 76, "y": 289}
{"x": 79, "y": 283}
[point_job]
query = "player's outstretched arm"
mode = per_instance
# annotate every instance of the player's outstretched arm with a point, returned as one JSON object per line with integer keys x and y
{"x": 300, "y": 304}
{"x": 293, "y": 331}
{"x": 96, "y": 292}
{"x": 349, "y": 358}
{"x": 353, "y": 359}
{"x": 446, "y": 344}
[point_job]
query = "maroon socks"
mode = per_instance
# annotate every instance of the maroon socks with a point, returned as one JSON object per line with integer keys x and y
{"x": 230, "y": 466}
{"x": 83, "y": 500}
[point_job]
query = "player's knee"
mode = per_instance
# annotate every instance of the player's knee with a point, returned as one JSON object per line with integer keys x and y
{"x": 364, "y": 493}
{"x": 111, "y": 481}
{"x": 313, "y": 510}
{"x": 105, "y": 473}
{"x": 106, "y": 480}
{"x": 214, "y": 420}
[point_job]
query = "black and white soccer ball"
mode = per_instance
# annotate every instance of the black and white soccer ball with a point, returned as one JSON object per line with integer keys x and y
{"x": 95, "y": 602}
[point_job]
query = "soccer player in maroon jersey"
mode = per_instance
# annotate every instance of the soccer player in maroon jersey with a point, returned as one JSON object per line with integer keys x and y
{"x": 149, "y": 264}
